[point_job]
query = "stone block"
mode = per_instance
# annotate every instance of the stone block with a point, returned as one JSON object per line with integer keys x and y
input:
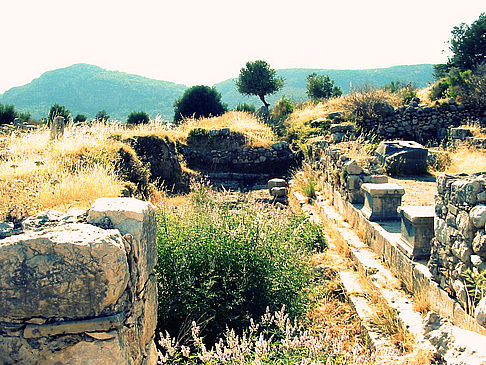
{"x": 137, "y": 219}
{"x": 279, "y": 192}
{"x": 352, "y": 168}
{"x": 71, "y": 271}
{"x": 375, "y": 179}
{"x": 402, "y": 157}
{"x": 382, "y": 200}
{"x": 417, "y": 230}
{"x": 276, "y": 183}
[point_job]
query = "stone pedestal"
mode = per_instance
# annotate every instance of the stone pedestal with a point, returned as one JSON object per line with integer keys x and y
{"x": 381, "y": 201}
{"x": 417, "y": 230}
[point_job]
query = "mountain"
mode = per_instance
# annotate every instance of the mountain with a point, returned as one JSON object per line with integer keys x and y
{"x": 86, "y": 89}
{"x": 296, "y": 78}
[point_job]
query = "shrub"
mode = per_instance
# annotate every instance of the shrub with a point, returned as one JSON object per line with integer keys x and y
{"x": 369, "y": 102}
{"x": 80, "y": 118}
{"x": 471, "y": 85}
{"x": 138, "y": 118}
{"x": 441, "y": 89}
{"x": 245, "y": 107}
{"x": 59, "y": 110}
{"x": 102, "y": 116}
{"x": 7, "y": 114}
{"x": 223, "y": 266}
{"x": 321, "y": 87}
{"x": 199, "y": 102}
{"x": 282, "y": 109}
{"x": 129, "y": 167}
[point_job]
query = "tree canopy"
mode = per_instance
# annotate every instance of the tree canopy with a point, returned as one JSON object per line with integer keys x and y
{"x": 259, "y": 79}
{"x": 197, "y": 102}
{"x": 321, "y": 87}
{"x": 468, "y": 44}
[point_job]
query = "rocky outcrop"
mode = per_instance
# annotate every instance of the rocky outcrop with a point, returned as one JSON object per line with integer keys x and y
{"x": 402, "y": 157}
{"x": 79, "y": 288}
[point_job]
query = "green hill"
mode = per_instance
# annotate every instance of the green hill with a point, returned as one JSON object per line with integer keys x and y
{"x": 295, "y": 81}
{"x": 87, "y": 89}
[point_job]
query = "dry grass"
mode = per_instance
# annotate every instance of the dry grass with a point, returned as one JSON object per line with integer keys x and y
{"x": 298, "y": 122}
{"x": 257, "y": 134}
{"x": 421, "y": 303}
{"x": 467, "y": 160}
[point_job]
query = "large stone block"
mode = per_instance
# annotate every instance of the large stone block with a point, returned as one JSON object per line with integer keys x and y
{"x": 70, "y": 271}
{"x": 382, "y": 201}
{"x": 135, "y": 218}
{"x": 417, "y": 230}
{"x": 402, "y": 157}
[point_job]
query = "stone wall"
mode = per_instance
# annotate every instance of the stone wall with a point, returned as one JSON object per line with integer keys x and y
{"x": 344, "y": 173}
{"x": 79, "y": 288}
{"x": 460, "y": 239}
{"x": 278, "y": 159}
{"x": 423, "y": 124}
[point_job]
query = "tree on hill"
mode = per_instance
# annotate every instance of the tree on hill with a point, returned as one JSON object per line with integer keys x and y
{"x": 80, "y": 118}
{"x": 257, "y": 78}
{"x": 468, "y": 45}
{"x": 199, "y": 102}
{"x": 7, "y": 114}
{"x": 138, "y": 118}
{"x": 102, "y": 116}
{"x": 59, "y": 111}
{"x": 321, "y": 87}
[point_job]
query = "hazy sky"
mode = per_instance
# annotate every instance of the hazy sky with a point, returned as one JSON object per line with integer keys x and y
{"x": 207, "y": 41}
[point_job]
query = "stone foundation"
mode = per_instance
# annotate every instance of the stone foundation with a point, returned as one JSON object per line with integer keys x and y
{"x": 79, "y": 288}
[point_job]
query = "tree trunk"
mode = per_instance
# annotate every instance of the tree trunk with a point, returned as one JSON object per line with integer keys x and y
{"x": 267, "y": 111}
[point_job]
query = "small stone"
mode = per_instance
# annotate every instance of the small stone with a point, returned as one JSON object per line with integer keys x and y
{"x": 278, "y": 191}
{"x": 478, "y": 216}
{"x": 352, "y": 168}
{"x": 6, "y": 229}
{"x": 480, "y": 312}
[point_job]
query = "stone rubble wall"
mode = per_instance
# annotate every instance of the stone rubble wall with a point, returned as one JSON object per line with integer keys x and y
{"x": 423, "y": 124}
{"x": 460, "y": 238}
{"x": 278, "y": 158}
{"x": 343, "y": 172}
{"x": 79, "y": 288}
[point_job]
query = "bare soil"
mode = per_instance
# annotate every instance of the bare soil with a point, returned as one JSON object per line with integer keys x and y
{"x": 419, "y": 190}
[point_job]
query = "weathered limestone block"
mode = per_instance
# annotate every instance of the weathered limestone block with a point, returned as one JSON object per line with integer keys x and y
{"x": 480, "y": 312}
{"x": 70, "y": 271}
{"x": 402, "y": 157}
{"x": 478, "y": 216}
{"x": 135, "y": 218}
{"x": 276, "y": 183}
{"x": 382, "y": 201}
{"x": 352, "y": 168}
{"x": 464, "y": 192}
{"x": 417, "y": 230}
{"x": 279, "y": 192}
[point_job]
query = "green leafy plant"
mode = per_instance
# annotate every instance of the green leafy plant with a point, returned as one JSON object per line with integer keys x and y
{"x": 59, "y": 110}
{"x": 321, "y": 87}
{"x": 475, "y": 285}
{"x": 283, "y": 107}
{"x": 7, "y": 114}
{"x": 245, "y": 107}
{"x": 80, "y": 118}
{"x": 224, "y": 266}
{"x": 199, "y": 102}
{"x": 102, "y": 116}
{"x": 138, "y": 118}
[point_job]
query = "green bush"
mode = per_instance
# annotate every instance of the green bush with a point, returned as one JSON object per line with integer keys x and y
{"x": 59, "y": 110}
{"x": 80, "y": 118}
{"x": 138, "y": 118}
{"x": 102, "y": 116}
{"x": 282, "y": 109}
{"x": 199, "y": 102}
{"x": 321, "y": 87}
{"x": 440, "y": 89}
{"x": 7, "y": 114}
{"x": 223, "y": 266}
{"x": 245, "y": 107}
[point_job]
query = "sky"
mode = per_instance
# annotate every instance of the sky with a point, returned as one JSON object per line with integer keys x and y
{"x": 196, "y": 42}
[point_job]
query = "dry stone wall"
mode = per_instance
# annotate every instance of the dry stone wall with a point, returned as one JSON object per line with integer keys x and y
{"x": 79, "y": 288}
{"x": 460, "y": 239}
{"x": 278, "y": 159}
{"x": 423, "y": 124}
{"x": 343, "y": 172}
